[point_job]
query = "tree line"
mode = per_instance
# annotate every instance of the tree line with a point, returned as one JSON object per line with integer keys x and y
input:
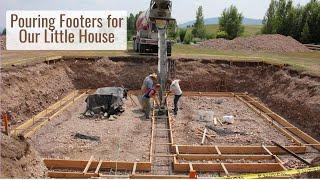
{"x": 299, "y": 22}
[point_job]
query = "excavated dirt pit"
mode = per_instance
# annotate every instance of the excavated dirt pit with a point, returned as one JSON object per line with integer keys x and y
{"x": 248, "y": 127}
{"x": 29, "y": 89}
{"x": 127, "y": 138}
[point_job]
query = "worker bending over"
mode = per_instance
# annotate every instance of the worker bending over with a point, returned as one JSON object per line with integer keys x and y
{"x": 177, "y": 92}
{"x": 146, "y": 104}
{"x": 148, "y": 82}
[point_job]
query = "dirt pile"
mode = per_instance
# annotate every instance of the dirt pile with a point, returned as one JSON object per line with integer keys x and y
{"x": 2, "y": 42}
{"x": 19, "y": 160}
{"x": 261, "y": 43}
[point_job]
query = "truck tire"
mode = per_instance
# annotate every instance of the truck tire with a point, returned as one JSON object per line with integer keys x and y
{"x": 142, "y": 48}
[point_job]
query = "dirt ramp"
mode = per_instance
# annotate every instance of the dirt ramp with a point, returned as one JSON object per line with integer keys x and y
{"x": 19, "y": 160}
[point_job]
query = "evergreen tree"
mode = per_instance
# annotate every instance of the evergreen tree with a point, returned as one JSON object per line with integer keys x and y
{"x": 199, "y": 30}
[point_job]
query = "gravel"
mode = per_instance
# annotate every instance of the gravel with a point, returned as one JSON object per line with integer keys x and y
{"x": 248, "y": 129}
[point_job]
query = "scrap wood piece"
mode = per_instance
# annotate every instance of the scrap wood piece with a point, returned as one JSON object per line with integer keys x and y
{"x": 204, "y": 136}
{"x": 218, "y": 119}
{"x": 215, "y": 121}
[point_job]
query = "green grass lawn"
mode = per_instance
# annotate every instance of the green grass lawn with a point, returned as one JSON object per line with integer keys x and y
{"x": 249, "y": 30}
{"x": 306, "y": 61}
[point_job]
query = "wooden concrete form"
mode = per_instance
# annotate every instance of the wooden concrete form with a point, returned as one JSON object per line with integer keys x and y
{"x": 201, "y": 153}
{"x": 82, "y": 164}
{"x": 209, "y": 157}
{"x": 198, "y": 149}
{"x": 30, "y": 126}
{"x": 230, "y": 167}
{"x": 287, "y": 128}
{"x": 286, "y": 125}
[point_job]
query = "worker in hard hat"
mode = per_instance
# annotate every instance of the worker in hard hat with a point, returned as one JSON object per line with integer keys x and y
{"x": 146, "y": 104}
{"x": 148, "y": 82}
{"x": 177, "y": 92}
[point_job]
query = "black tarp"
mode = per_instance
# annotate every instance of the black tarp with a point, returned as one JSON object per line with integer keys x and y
{"x": 106, "y": 100}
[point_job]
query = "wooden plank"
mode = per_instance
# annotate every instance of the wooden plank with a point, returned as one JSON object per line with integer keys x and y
{"x": 177, "y": 150}
{"x": 292, "y": 153}
{"x": 294, "y": 130}
{"x": 196, "y": 149}
{"x": 75, "y": 175}
{"x": 209, "y": 157}
{"x": 190, "y": 167}
{"x": 134, "y": 168}
{"x": 224, "y": 169}
{"x": 267, "y": 150}
{"x": 152, "y": 134}
{"x": 98, "y": 167}
{"x": 306, "y": 138}
{"x": 215, "y": 121}
{"x": 218, "y": 150}
{"x": 88, "y": 165}
{"x": 81, "y": 164}
{"x": 263, "y": 115}
{"x": 45, "y": 112}
{"x": 231, "y": 167}
{"x": 33, "y": 130}
{"x": 209, "y": 94}
{"x": 204, "y": 136}
{"x": 138, "y": 176}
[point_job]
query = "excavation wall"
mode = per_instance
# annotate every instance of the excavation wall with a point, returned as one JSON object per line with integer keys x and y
{"x": 27, "y": 90}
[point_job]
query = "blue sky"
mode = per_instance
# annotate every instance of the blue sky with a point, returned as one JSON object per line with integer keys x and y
{"x": 183, "y": 10}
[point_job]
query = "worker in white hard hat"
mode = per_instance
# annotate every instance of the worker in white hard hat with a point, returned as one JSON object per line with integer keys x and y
{"x": 177, "y": 92}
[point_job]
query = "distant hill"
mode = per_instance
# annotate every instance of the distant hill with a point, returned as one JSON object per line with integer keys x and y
{"x": 215, "y": 20}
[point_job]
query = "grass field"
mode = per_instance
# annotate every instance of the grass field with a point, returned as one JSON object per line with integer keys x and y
{"x": 249, "y": 30}
{"x": 308, "y": 62}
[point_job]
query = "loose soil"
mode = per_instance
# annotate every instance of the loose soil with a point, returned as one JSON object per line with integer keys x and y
{"x": 261, "y": 43}
{"x": 248, "y": 128}
{"x": 127, "y": 138}
{"x": 19, "y": 159}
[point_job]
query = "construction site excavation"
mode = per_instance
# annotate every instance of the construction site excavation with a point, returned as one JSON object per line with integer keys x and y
{"x": 234, "y": 118}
